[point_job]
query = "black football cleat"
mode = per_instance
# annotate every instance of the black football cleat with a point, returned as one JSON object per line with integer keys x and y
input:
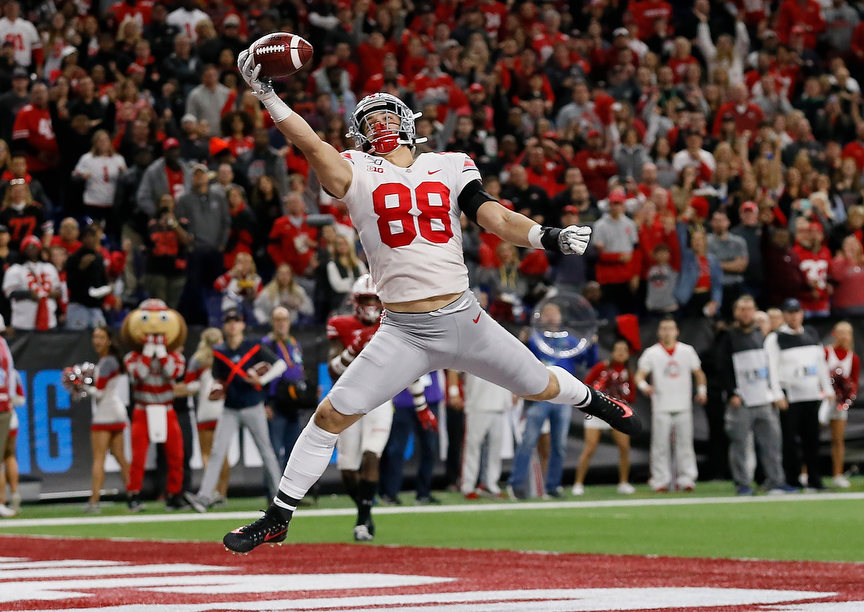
{"x": 614, "y": 411}
{"x": 269, "y": 529}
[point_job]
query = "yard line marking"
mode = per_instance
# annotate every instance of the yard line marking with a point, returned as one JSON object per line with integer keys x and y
{"x": 505, "y": 506}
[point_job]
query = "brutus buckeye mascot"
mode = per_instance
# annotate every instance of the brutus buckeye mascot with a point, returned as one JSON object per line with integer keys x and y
{"x": 155, "y": 333}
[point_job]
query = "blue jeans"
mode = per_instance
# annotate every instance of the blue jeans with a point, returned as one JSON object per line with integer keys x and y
{"x": 79, "y": 316}
{"x": 536, "y": 414}
{"x": 284, "y": 432}
{"x": 405, "y": 422}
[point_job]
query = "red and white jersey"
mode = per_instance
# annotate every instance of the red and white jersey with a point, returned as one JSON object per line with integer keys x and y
{"x": 40, "y": 277}
{"x": 34, "y": 124}
{"x": 23, "y": 36}
{"x": 345, "y": 328}
{"x": 815, "y": 268}
{"x": 671, "y": 375}
{"x": 153, "y": 377}
{"x": 408, "y": 221}
{"x": 102, "y": 172}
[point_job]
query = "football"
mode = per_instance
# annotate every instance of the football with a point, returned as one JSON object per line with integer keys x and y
{"x": 281, "y": 54}
{"x": 217, "y": 391}
{"x": 260, "y": 368}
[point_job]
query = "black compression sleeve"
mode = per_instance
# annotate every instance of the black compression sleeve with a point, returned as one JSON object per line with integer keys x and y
{"x": 472, "y": 197}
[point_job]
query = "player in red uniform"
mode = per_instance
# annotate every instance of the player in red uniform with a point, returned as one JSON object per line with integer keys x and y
{"x": 407, "y": 213}
{"x": 360, "y": 445}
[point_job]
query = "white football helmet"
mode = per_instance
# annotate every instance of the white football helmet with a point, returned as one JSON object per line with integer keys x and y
{"x": 364, "y": 296}
{"x": 381, "y": 138}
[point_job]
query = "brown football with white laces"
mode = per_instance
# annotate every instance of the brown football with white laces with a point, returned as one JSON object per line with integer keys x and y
{"x": 280, "y": 54}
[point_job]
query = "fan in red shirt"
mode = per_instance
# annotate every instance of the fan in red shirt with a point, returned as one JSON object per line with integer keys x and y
{"x": 646, "y": 12}
{"x": 815, "y": 259}
{"x": 544, "y": 42}
{"x": 434, "y": 87}
{"x": 390, "y": 71}
{"x": 495, "y": 14}
{"x": 747, "y": 115}
{"x": 34, "y": 133}
{"x": 596, "y": 165}
{"x": 681, "y": 58}
{"x": 292, "y": 240}
{"x": 855, "y": 149}
{"x": 67, "y": 236}
{"x": 138, "y": 10}
{"x": 542, "y": 172}
{"x": 370, "y": 54}
{"x": 806, "y": 14}
{"x": 243, "y": 227}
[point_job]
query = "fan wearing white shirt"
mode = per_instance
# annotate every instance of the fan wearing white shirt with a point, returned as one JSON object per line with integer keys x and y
{"x": 23, "y": 36}
{"x": 100, "y": 169}
{"x": 672, "y": 366}
{"x": 186, "y": 17}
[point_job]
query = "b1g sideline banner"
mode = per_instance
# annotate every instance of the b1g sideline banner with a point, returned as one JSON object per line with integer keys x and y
{"x": 54, "y": 431}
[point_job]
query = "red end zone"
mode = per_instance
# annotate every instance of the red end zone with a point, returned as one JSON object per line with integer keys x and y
{"x": 55, "y": 574}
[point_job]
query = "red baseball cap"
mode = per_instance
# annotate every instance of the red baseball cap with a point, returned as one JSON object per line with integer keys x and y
{"x": 475, "y": 87}
{"x": 593, "y": 134}
{"x": 570, "y": 209}
{"x": 815, "y": 226}
{"x": 798, "y": 30}
{"x": 749, "y": 206}
{"x": 31, "y": 240}
{"x": 170, "y": 143}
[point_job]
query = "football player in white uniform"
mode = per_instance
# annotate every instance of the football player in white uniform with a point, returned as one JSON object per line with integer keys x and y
{"x": 407, "y": 213}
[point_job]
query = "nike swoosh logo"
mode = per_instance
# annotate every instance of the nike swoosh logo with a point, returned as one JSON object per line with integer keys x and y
{"x": 434, "y": 171}
{"x": 628, "y": 411}
{"x": 478, "y": 317}
{"x": 271, "y": 536}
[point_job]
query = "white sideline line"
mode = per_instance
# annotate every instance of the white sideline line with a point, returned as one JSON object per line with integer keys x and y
{"x": 507, "y": 506}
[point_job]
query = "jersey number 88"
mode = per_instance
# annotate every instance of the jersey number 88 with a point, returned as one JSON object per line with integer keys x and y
{"x": 431, "y": 210}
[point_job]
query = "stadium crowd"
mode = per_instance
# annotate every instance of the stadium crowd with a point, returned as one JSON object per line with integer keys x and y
{"x": 717, "y": 149}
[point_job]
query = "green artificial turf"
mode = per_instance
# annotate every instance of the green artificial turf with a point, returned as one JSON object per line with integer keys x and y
{"x": 817, "y": 530}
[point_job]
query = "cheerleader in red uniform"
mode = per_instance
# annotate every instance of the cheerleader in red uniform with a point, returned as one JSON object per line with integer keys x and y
{"x": 615, "y": 378}
{"x": 843, "y": 367}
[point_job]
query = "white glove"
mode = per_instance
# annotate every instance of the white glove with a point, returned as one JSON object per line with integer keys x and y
{"x": 574, "y": 239}
{"x": 250, "y": 71}
{"x": 99, "y": 292}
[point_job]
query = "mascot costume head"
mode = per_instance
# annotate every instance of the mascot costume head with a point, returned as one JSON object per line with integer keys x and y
{"x": 154, "y": 323}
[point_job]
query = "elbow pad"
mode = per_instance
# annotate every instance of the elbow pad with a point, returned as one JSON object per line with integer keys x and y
{"x": 472, "y": 197}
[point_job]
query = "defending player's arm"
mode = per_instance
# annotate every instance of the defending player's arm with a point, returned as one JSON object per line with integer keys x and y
{"x": 513, "y": 227}
{"x": 333, "y": 171}
{"x": 341, "y": 356}
{"x": 427, "y": 418}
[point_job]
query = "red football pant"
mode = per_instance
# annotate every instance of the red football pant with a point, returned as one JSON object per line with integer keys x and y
{"x": 173, "y": 452}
